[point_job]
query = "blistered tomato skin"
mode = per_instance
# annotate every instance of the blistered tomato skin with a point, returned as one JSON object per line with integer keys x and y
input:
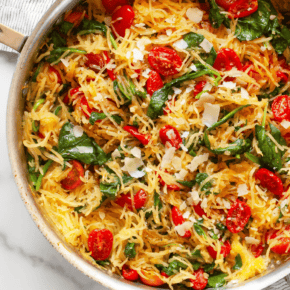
{"x": 270, "y": 180}
{"x": 110, "y": 71}
{"x": 200, "y": 281}
{"x": 225, "y": 250}
{"x": 53, "y": 70}
{"x": 169, "y": 186}
{"x": 95, "y": 61}
{"x": 226, "y": 60}
{"x": 282, "y": 76}
{"x": 164, "y": 60}
{"x": 197, "y": 208}
{"x": 178, "y": 219}
{"x": 257, "y": 250}
{"x": 170, "y": 134}
{"x": 75, "y": 17}
{"x": 238, "y": 216}
{"x": 151, "y": 279}
{"x": 281, "y": 108}
{"x": 226, "y": 4}
{"x": 122, "y": 19}
{"x": 143, "y": 138}
{"x": 100, "y": 243}
{"x": 154, "y": 82}
{"x": 199, "y": 87}
{"x": 243, "y": 8}
{"x": 73, "y": 180}
{"x": 139, "y": 200}
{"x": 129, "y": 274}
{"x": 283, "y": 245}
{"x": 111, "y": 5}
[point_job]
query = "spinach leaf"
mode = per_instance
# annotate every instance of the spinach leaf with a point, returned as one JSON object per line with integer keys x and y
{"x": 39, "y": 179}
{"x": 195, "y": 265}
{"x": 216, "y": 17}
{"x": 158, "y": 99}
{"x": 208, "y": 267}
{"x": 55, "y": 55}
{"x": 199, "y": 230}
{"x": 238, "y": 147}
{"x": 57, "y": 110}
{"x": 200, "y": 177}
{"x": 196, "y": 254}
{"x": 102, "y": 263}
{"x": 216, "y": 280}
{"x": 95, "y": 116}
{"x": 157, "y": 201}
{"x": 239, "y": 262}
{"x": 79, "y": 208}
{"x": 253, "y": 158}
{"x": 275, "y": 132}
{"x": 221, "y": 226}
{"x": 91, "y": 26}
{"x": 173, "y": 267}
{"x": 33, "y": 79}
{"x": 130, "y": 251}
{"x": 33, "y": 175}
{"x": 65, "y": 27}
{"x": 104, "y": 197}
{"x": 82, "y": 148}
{"x": 187, "y": 183}
{"x": 57, "y": 40}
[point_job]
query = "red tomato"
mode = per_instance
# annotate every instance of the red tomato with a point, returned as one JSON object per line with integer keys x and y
{"x": 53, "y": 70}
{"x": 111, "y": 5}
{"x": 95, "y": 61}
{"x": 283, "y": 246}
{"x": 164, "y": 274}
{"x": 110, "y": 71}
{"x": 40, "y": 135}
{"x": 164, "y": 60}
{"x": 197, "y": 208}
{"x": 226, "y": 60}
{"x": 169, "y": 186}
{"x": 200, "y": 282}
{"x": 122, "y": 19}
{"x": 282, "y": 76}
{"x": 100, "y": 243}
{"x": 178, "y": 219}
{"x": 85, "y": 107}
{"x": 129, "y": 274}
{"x": 151, "y": 279}
{"x": 75, "y": 18}
{"x": 225, "y": 250}
{"x": 154, "y": 82}
{"x": 226, "y": 4}
{"x": 143, "y": 138}
{"x": 73, "y": 180}
{"x": 139, "y": 200}
{"x": 243, "y": 8}
{"x": 281, "y": 108}
{"x": 170, "y": 134}
{"x": 199, "y": 87}
{"x": 238, "y": 216}
{"x": 287, "y": 137}
{"x": 270, "y": 181}
{"x": 72, "y": 95}
{"x": 257, "y": 250}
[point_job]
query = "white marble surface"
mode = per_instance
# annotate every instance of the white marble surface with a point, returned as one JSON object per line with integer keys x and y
{"x": 27, "y": 260}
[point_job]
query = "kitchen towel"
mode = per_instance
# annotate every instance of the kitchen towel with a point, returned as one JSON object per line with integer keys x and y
{"x": 23, "y": 15}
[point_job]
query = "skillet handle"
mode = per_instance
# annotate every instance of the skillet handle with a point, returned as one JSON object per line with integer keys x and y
{"x": 12, "y": 38}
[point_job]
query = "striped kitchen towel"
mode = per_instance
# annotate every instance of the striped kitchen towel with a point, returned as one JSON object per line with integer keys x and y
{"x": 22, "y": 15}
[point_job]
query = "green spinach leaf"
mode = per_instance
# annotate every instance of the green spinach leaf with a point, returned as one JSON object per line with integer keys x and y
{"x": 216, "y": 280}
{"x": 130, "y": 251}
{"x": 216, "y": 17}
{"x": 55, "y": 55}
{"x": 239, "y": 263}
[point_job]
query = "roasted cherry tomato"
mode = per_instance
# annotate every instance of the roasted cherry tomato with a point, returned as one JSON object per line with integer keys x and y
{"x": 73, "y": 180}
{"x": 257, "y": 250}
{"x": 72, "y": 95}
{"x": 270, "y": 180}
{"x": 283, "y": 246}
{"x": 100, "y": 243}
{"x": 287, "y": 137}
{"x": 40, "y": 135}
{"x": 238, "y": 216}
{"x": 122, "y": 19}
{"x": 170, "y": 134}
{"x": 143, "y": 138}
{"x": 139, "y": 200}
{"x": 197, "y": 208}
{"x": 85, "y": 107}
{"x": 226, "y": 60}
{"x": 226, "y": 4}
{"x": 110, "y": 71}
{"x": 169, "y": 186}
{"x": 53, "y": 70}
{"x": 129, "y": 274}
{"x": 95, "y": 61}
{"x": 151, "y": 279}
{"x": 200, "y": 282}
{"x": 75, "y": 17}
{"x": 243, "y": 8}
{"x": 164, "y": 60}
{"x": 282, "y": 76}
{"x": 281, "y": 108}
{"x": 111, "y": 5}
{"x": 178, "y": 219}
{"x": 199, "y": 87}
{"x": 154, "y": 82}
{"x": 164, "y": 274}
{"x": 225, "y": 250}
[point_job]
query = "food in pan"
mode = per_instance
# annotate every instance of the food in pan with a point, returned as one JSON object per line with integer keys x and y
{"x": 157, "y": 138}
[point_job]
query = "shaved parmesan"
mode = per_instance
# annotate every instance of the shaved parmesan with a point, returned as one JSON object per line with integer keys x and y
{"x": 242, "y": 189}
{"x": 137, "y": 55}
{"x": 131, "y": 166}
{"x": 183, "y": 206}
{"x": 180, "y": 44}
{"x": 183, "y": 147}
{"x": 176, "y": 163}
{"x": 244, "y": 93}
{"x": 194, "y": 14}
{"x": 177, "y": 91}
{"x": 228, "y": 85}
{"x": 206, "y": 45}
{"x": 141, "y": 43}
{"x": 204, "y": 98}
{"x": 78, "y": 131}
{"x": 136, "y": 152}
{"x": 102, "y": 215}
{"x": 193, "y": 67}
{"x": 285, "y": 124}
{"x": 253, "y": 241}
{"x": 186, "y": 215}
{"x": 167, "y": 157}
{"x": 116, "y": 153}
{"x": 181, "y": 229}
{"x": 169, "y": 32}
{"x": 204, "y": 203}
{"x": 185, "y": 134}
{"x": 65, "y": 62}
{"x": 210, "y": 114}
{"x": 84, "y": 149}
{"x": 182, "y": 173}
{"x": 196, "y": 161}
